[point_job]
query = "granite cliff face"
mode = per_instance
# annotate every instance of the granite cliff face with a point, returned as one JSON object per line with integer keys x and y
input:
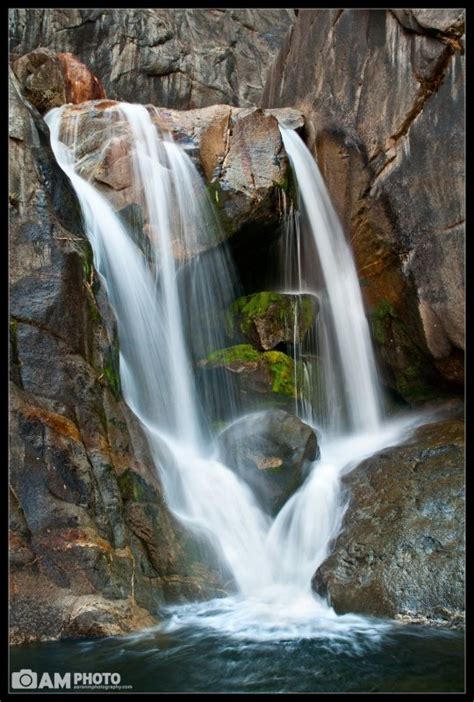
{"x": 181, "y": 58}
{"x": 383, "y": 97}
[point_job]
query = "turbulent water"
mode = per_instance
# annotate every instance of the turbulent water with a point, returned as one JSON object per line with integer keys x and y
{"x": 166, "y": 308}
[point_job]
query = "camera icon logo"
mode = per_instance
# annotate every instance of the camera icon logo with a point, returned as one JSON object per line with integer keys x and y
{"x": 25, "y": 680}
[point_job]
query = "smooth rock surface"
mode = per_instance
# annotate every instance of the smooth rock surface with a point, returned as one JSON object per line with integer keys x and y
{"x": 239, "y": 151}
{"x": 271, "y": 451}
{"x": 401, "y": 549}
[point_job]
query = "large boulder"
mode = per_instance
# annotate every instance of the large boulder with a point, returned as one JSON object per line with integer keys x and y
{"x": 372, "y": 150}
{"x": 182, "y": 58}
{"x": 50, "y": 80}
{"x": 401, "y": 549}
{"x": 271, "y": 451}
{"x": 239, "y": 151}
{"x": 267, "y": 319}
{"x": 93, "y": 548}
{"x": 257, "y": 380}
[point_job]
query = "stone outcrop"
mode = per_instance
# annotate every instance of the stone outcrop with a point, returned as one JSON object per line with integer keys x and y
{"x": 94, "y": 549}
{"x": 267, "y": 319}
{"x": 372, "y": 85}
{"x": 271, "y": 451}
{"x": 181, "y": 58}
{"x": 50, "y": 80}
{"x": 401, "y": 549}
{"x": 239, "y": 151}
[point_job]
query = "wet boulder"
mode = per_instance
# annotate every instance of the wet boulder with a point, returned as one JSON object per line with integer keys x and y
{"x": 267, "y": 319}
{"x": 272, "y": 452}
{"x": 401, "y": 550}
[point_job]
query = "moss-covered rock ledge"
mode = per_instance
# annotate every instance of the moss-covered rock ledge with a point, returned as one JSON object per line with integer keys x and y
{"x": 259, "y": 379}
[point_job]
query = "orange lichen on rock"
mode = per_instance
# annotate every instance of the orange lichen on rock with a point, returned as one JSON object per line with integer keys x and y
{"x": 57, "y": 422}
{"x": 81, "y": 83}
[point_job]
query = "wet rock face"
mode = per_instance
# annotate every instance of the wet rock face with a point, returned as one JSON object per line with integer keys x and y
{"x": 400, "y": 195}
{"x": 401, "y": 549}
{"x": 267, "y": 319}
{"x": 50, "y": 80}
{"x": 271, "y": 451}
{"x": 239, "y": 151}
{"x": 87, "y": 510}
{"x": 181, "y": 58}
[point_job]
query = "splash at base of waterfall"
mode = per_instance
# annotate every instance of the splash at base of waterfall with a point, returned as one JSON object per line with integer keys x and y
{"x": 280, "y": 615}
{"x": 278, "y": 603}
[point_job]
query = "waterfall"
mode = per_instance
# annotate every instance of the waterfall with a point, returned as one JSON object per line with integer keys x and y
{"x": 167, "y": 298}
{"x": 351, "y": 355}
{"x": 155, "y": 359}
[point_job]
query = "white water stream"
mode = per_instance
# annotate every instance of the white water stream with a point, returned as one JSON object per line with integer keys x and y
{"x": 272, "y": 561}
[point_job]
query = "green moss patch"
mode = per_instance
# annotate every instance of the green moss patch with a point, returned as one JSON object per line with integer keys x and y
{"x": 276, "y": 314}
{"x": 233, "y": 354}
{"x": 132, "y": 487}
{"x": 282, "y": 368}
{"x": 111, "y": 369}
{"x": 280, "y": 365}
{"x": 380, "y": 317}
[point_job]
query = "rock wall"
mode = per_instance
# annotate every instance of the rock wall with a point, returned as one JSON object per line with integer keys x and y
{"x": 94, "y": 550}
{"x": 383, "y": 97}
{"x": 181, "y": 58}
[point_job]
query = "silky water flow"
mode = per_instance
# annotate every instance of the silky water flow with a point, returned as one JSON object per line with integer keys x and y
{"x": 168, "y": 293}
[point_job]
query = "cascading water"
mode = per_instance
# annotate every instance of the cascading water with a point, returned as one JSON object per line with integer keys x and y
{"x": 346, "y": 347}
{"x": 157, "y": 296}
{"x": 155, "y": 362}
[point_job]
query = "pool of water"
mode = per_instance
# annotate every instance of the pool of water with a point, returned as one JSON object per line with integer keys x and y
{"x": 189, "y": 653}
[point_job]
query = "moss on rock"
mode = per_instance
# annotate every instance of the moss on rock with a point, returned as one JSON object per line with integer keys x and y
{"x": 269, "y": 318}
{"x": 276, "y": 365}
{"x": 282, "y": 368}
{"x": 111, "y": 369}
{"x": 241, "y": 352}
{"x": 132, "y": 487}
